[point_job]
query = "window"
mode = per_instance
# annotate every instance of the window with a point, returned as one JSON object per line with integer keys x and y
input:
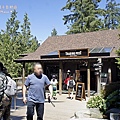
{"x": 100, "y": 51}
{"x": 96, "y": 50}
{"x": 106, "y": 49}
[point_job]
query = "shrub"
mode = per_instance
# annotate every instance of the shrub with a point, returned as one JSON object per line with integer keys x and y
{"x": 112, "y": 101}
{"x": 104, "y": 104}
{"x": 111, "y": 88}
{"x": 97, "y": 102}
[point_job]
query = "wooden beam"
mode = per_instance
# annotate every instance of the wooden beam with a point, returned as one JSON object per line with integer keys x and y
{"x": 99, "y": 78}
{"x": 109, "y": 75}
{"x": 88, "y": 79}
{"x": 98, "y": 84}
{"x": 60, "y": 77}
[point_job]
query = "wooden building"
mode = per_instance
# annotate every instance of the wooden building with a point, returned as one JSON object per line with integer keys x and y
{"x": 78, "y": 52}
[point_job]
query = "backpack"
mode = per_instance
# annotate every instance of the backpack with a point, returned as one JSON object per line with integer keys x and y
{"x": 11, "y": 87}
{"x": 71, "y": 84}
{"x": 3, "y": 85}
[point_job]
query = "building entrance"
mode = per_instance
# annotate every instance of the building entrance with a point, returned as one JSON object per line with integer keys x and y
{"x": 83, "y": 78}
{"x": 52, "y": 70}
{"x": 93, "y": 81}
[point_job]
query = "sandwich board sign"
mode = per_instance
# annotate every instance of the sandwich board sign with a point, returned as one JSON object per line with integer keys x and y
{"x": 80, "y": 91}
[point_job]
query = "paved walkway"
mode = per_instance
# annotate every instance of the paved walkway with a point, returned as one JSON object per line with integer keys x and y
{"x": 63, "y": 110}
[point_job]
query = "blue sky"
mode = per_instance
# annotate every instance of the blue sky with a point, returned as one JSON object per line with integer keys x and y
{"x": 44, "y": 15}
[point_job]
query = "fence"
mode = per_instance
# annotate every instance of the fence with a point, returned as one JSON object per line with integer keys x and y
{"x": 19, "y": 89}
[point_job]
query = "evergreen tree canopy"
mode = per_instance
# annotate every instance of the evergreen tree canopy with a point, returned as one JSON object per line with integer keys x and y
{"x": 54, "y": 32}
{"x": 112, "y": 14}
{"x": 118, "y": 53}
{"x": 16, "y": 39}
{"x": 87, "y": 16}
{"x": 84, "y": 16}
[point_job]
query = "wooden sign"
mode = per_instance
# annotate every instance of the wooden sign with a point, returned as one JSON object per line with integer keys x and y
{"x": 97, "y": 64}
{"x": 73, "y": 53}
{"x": 80, "y": 91}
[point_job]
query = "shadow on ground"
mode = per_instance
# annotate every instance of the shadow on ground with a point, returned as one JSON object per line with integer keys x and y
{"x": 17, "y": 118}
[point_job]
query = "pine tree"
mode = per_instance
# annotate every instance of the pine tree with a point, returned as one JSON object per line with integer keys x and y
{"x": 10, "y": 44}
{"x": 112, "y": 14}
{"x": 29, "y": 43}
{"x": 12, "y": 26}
{"x": 84, "y": 16}
{"x": 118, "y": 53}
{"x": 14, "y": 42}
{"x": 54, "y": 32}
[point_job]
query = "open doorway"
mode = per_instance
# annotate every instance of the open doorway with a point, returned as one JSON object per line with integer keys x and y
{"x": 52, "y": 70}
{"x": 93, "y": 82}
{"x": 83, "y": 78}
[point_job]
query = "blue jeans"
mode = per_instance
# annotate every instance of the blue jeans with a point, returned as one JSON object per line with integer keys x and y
{"x": 39, "y": 110}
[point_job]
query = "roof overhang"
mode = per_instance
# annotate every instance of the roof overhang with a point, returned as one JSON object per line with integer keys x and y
{"x": 65, "y": 59}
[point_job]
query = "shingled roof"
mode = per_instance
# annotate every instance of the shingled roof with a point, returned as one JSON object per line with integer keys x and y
{"x": 105, "y": 38}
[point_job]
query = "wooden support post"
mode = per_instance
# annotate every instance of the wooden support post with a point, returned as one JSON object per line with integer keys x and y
{"x": 60, "y": 77}
{"x": 109, "y": 75}
{"x": 23, "y": 74}
{"x": 88, "y": 80}
{"x": 99, "y": 78}
{"x": 98, "y": 84}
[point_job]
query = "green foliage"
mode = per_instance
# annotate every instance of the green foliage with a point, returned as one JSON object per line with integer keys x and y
{"x": 84, "y": 16}
{"x": 87, "y": 16}
{"x": 109, "y": 88}
{"x": 28, "y": 42}
{"x": 15, "y": 40}
{"x": 104, "y": 104}
{"x": 118, "y": 59}
{"x": 112, "y": 101}
{"x": 118, "y": 53}
{"x": 97, "y": 102}
{"x": 112, "y": 14}
{"x": 54, "y": 32}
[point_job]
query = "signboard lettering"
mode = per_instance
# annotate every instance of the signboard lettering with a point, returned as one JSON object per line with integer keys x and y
{"x": 97, "y": 64}
{"x": 97, "y": 69}
{"x": 97, "y": 73}
{"x": 73, "y": 53}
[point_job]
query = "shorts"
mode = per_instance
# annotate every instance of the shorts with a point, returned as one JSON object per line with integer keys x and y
{"x": 70, "y": 90}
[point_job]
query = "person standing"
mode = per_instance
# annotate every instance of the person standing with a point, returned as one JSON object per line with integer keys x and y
{"x": 36, "y": 82}
{"x": 6, "y": 115}
{"x": 66, "y": 82}
{"x": 5, "y": 100}
{"x": 54, "y": 83}
{"x": 70, "y": 87}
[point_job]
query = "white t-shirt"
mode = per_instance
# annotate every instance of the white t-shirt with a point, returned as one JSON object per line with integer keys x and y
{"x": 54, "y": 82}
{"x": 69, "y": 81}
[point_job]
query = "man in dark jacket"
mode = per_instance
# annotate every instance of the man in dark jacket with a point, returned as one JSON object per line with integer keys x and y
{"x": 5, "y": 101}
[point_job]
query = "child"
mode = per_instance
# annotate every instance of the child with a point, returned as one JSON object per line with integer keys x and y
{"x": 70, "y": 86}
{"x": 54, "y": 86}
